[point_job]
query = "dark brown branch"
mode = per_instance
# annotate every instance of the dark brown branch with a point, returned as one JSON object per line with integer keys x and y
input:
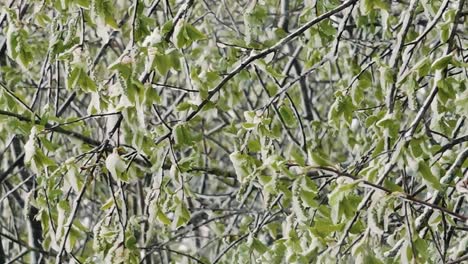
{"x": 450, "y": 145}
{"x": 55, "y": 128}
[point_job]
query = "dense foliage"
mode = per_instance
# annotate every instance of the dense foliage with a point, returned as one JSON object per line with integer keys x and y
{"x": 223, "y": 131}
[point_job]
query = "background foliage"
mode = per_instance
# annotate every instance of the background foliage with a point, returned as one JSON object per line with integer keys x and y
{"x": 222, "y": 131}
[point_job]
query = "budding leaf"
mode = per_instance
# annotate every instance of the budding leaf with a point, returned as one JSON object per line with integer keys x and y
{"x": 116, "y": 165}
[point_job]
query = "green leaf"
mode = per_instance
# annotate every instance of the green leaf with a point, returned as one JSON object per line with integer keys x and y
{"x": 180, "y": 35}
{"x": 184, "y": 106}
{"x": 131, "y": 242}
{"x": 254, "y": 145}
{"x": 87, "y": 83}
{"x": 73, "y": 77}
{"x": 82, "y": 3}
{"x": 182, "y": 215}
{"x": 288, "y": 116}
{"x": 392, "y": 186}
{"x": 325, "y": 227}
{"x": 185, "y": 34}
{"x": 107, "y": 12}
{"x": 337, "y": 199}
{"x": 162, "y": 64}
{"x": 166, "y": 27}
{"x": 108, "y": 204}
{"x": 182, "y": 135}
{"x": 12, "y": 41}
{"x": 342, "y": 107}
{"x": 258, "y": 246}
{"x": 441, "y": 62}
{"x": 421, "y": 247}
{"x": 163, "y": 218}
{"x": 367, "y": 6}
{"x": 428, "y": 177}
{"x": 445, "y": 33}
{"x": 308, "y": 198}
{"x": 320, "y": 159}
{"x": 193, "y": 33}
{"x": 327, "y": 28}
{"x": 25, "y": 56}
{"x": 372, "y": 259}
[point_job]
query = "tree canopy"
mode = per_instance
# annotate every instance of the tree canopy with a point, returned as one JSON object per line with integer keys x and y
{"x": 226, "y": 131}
